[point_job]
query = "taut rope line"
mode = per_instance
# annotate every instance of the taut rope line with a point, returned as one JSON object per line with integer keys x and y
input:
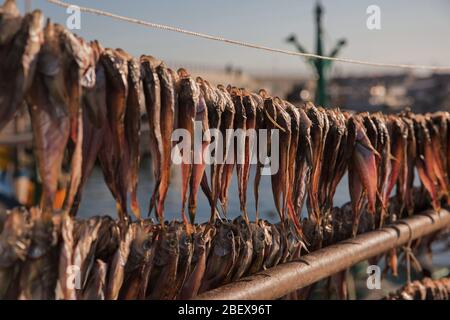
{"x": 246, "y": 44}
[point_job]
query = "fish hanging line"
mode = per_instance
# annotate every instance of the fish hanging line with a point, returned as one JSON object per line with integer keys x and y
{"x": 245, "y": 44}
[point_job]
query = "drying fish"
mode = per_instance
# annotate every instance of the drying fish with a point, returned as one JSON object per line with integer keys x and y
{"x": 53, "y": 96}
{"x": 362, "y": 172}
{"x": 223, "y": 169}
{"x": 259, "y": 126}
{"x": 399, "y": 169}
{"x": 188, "y": 101}
{"x": 272, "y": 251}
{"x": 319, "y": 131}
{"x": 303, "y": 162}
{"x": 95, "y": 123}
{"x": 66, "y": 292}
{"x": 167, "y": 80}
{"x": 222, "y": 257}
{"x": 438, "y": 151}
{"x": 186, "y": 248}
{"x": 425, "y": 160}
{"x": 163, "y": 279}
{"x": 117, "y": 269}
{"x": 383, "y": 147}
{"x": 237, "y": 140}
{"x": 39, "y": 274}
{"x": 96, "y": 286}
{"x": 411, "y": 151}
{"x": 10, "y": 22}
{"x": 14, "y": 245}
{"x": 20, "y": 43}
{"x": 139, "y": 264}
{"x": 116, "y": 71}
{"x": 250, "y": 138}
{"x": 216, "y": 104}
{"x": 259, "y": 244}
{"x": 152, "y": 92}
{"x": 201, "y": 131}
{"x": 202, "y": 245}
{"x": 294, "y": 115}
{"x": 245, "y": 254}
{"x": 83, "y": 252}
{"x": 333, "y": 170}
{"x": 130, "y": 162}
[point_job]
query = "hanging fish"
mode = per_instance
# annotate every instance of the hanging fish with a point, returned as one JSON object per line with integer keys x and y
{"x": 52, "y": 100}
{"x": 202, "y": 244}
{"x": 221, "y": 258}
{"x": 259, "y": 126}
{"x": 38, "y": 275}
{"x": 250, "y": 140}
{"x": 135, "y": 102}
{"x": 114, "y": 157}
{"x": 164, "y": 277}
{"x": 140, "y": 261}
{"x": 188, "y": 101}
{"x": 20, "y": 43}
{"x": 167, "y": 80}
{"x": 14, "y": 245}
{"x": 226, "y": 125}
{"x": 303, "y": 163}
{"x": 236, "y": 141}
{"x": 216, "y": 105}
{"x": 95, "y": 123}
{"x": 201, "y": 130}
{"x": 117, "y": 268}
{"x": 152, "y": 92}
{"x": 363, "y": 173}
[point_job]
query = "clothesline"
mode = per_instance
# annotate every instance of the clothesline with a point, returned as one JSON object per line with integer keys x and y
{"x": 246, "y": 44}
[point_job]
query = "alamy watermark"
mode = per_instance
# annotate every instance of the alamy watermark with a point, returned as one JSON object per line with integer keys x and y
{"x": 374, "y": 278}
{"x": 200, "y": 150}
{"x": 374, "y": 19}
{"x": 73, "y": 21}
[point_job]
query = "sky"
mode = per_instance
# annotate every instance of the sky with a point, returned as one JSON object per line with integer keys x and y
{"x": 414, "y": 31}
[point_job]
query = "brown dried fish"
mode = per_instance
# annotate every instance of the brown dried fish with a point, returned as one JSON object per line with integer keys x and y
{"x": 38, "y": 275}
{"x": 152, "y": 92}
{"x": 116, "y": 71}
{"x": 14, "y": 246}
{"x": 20, "y": 43}
{"x": 167, "y": 80}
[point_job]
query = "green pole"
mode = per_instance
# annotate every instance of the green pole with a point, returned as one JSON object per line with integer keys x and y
{"x": 321, "y": 67}
{"x": 321, "y": 90}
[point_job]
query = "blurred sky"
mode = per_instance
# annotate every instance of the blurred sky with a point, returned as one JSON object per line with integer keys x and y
{"x": 412, "y": 31}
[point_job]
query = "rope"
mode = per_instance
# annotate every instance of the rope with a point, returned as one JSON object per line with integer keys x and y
{"x": 246, "y": 44}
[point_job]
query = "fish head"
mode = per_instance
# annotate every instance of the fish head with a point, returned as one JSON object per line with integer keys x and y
{"x": 185, "y": 242}
{"x": 243, "y": 227}
{"x": 10, "y": 21}
{"x": 116, "y": 68}
{"x": 258, "y": 237}
{"x": 224, "y": 241}
{"x": 168, "y": 248}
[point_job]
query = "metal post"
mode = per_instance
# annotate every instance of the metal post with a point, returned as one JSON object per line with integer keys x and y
{"x": 283, "y": 279}
{"x": 321, "y": 91}
{"x": 321, "y": 67}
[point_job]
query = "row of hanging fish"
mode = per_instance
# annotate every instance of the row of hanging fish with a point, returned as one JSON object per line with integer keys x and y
{"x": 101, "y": 258}
{"x": 426, "y": 289}
{"x": 85, "y": 105}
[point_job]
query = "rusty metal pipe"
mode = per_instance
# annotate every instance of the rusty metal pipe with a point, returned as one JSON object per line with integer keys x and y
{"x": 276, "y": 282}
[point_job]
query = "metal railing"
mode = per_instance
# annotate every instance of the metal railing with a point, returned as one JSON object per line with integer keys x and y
{"x": 281, "y": 280}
